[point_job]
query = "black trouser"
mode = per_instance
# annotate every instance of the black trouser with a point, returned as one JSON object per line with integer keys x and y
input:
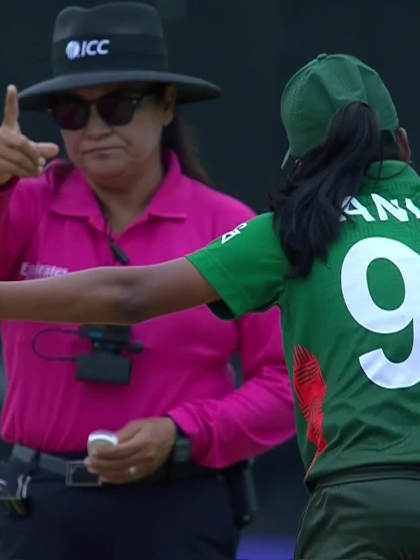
{"x": 181, "y": 520}
{"x": 374, "y": 518}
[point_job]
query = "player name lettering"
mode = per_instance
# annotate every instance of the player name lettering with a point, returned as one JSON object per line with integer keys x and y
{"x": 384, "y": 209}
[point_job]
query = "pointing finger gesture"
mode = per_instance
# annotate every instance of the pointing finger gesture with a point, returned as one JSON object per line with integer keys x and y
{"x": 11, "y": 110}
{"x": 19, "y": 156}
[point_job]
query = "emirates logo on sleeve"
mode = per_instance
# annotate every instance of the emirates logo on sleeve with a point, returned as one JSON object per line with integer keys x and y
{"x": 231, "y": 234}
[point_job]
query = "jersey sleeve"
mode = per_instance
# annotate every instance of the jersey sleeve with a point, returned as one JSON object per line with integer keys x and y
{"x": 246, "y": 266}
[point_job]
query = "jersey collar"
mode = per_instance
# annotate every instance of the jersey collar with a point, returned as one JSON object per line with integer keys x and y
{"x": 389, "y": 169}
{"x": 74, "y": 197}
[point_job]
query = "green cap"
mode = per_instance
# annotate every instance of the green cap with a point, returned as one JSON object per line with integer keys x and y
{"x": 313, "y": 95}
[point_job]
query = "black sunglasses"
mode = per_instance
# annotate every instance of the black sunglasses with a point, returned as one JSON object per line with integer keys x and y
{"x": 116, "y": 108}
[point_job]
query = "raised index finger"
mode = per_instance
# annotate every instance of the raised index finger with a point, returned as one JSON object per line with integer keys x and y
{"x": 11, "y": 109}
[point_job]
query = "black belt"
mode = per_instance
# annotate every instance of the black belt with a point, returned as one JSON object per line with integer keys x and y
{"x": 75, "y": 473}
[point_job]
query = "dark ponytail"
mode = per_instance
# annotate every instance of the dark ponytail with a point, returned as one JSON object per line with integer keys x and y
{"x": 308, "y": 205}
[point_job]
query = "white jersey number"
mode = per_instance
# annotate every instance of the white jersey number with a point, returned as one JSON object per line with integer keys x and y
{"x": 364, "y": 310}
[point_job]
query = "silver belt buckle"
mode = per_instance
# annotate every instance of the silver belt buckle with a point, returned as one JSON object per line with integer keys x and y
{"x": 77, "y": 476}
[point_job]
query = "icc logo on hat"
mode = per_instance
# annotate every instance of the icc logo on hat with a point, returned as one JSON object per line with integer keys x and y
{"x": 77, "y": 49}
{"x": 124, "y": 41}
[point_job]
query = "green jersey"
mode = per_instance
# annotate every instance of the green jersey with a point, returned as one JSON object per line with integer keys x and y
{"x": 351, "y": 328}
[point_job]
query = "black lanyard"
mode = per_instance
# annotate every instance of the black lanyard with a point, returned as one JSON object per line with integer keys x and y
{"x": 118, "y": 253}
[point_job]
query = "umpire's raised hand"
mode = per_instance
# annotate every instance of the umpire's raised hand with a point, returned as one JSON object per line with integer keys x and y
{"x": 19, "y": 155}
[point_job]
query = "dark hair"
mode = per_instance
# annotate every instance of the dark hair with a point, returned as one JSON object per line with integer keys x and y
{"x": 177, "y": 136}
{"x": 308, "y": 204}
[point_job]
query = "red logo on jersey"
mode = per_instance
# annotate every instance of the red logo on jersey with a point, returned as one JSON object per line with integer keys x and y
{"x": 310, "y": 388}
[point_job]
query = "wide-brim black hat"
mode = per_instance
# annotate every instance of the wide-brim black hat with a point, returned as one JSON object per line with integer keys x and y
{"x": 113, "y": 43}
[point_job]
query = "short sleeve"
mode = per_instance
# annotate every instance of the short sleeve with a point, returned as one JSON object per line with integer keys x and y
{"x": 246, "y": 266}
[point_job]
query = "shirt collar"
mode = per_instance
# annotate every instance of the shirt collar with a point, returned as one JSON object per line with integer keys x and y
{"x": 171, "y": 199}
{"x": 390, "y": 169}
{"x": 74, "y": 197}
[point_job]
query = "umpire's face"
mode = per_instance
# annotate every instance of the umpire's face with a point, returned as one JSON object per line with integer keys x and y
{"x": 105, "y": 151}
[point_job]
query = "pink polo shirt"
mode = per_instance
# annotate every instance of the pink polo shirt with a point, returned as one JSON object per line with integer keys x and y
{"x": 53, "y": 225}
